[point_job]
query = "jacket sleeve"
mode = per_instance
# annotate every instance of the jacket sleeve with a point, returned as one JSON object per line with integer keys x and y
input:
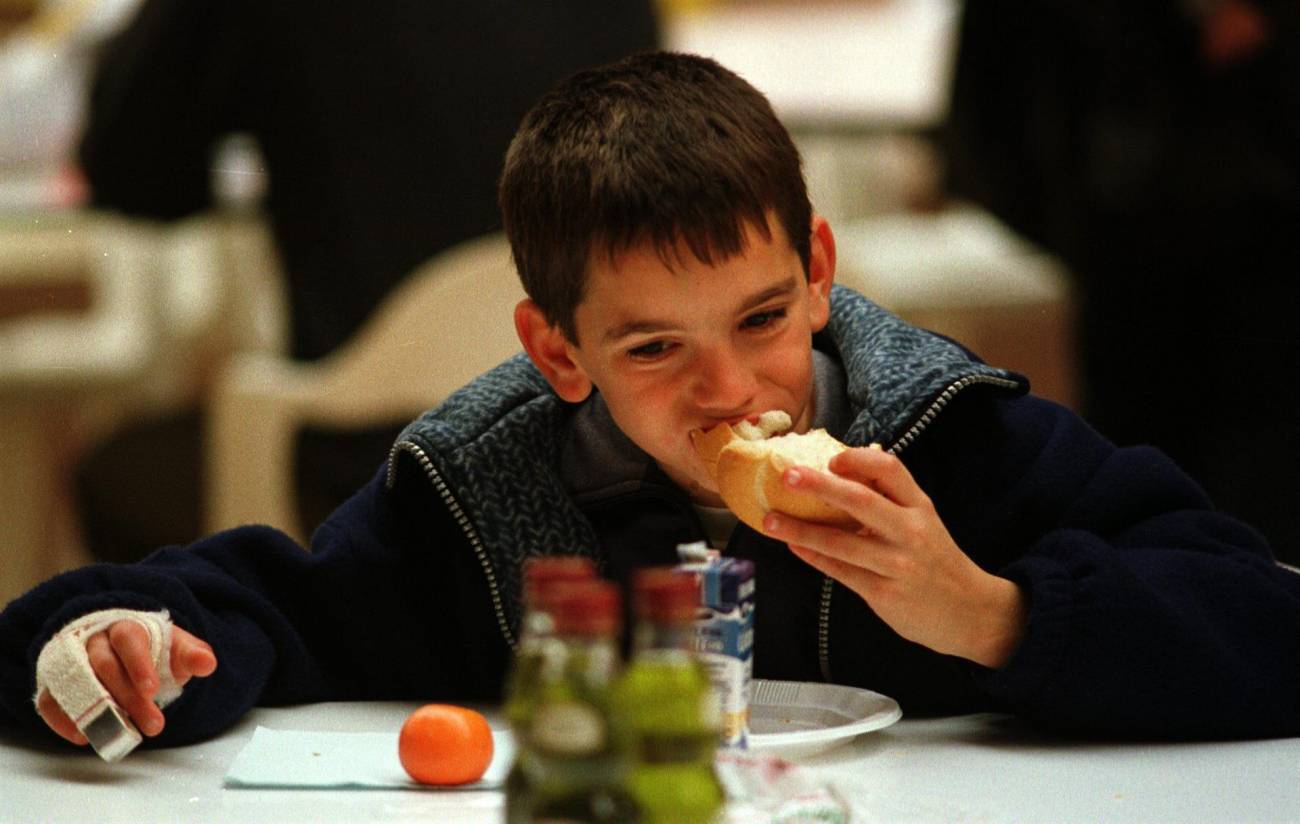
{"x": 377, "y": 609}
{"x": 1151, "y": 614}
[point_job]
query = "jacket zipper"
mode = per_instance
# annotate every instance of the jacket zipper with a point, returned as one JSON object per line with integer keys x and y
{"x": 908, "y": 437}
{"x": 466, "y": 526}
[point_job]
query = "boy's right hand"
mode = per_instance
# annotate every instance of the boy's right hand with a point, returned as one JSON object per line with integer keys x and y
{"x": 121, "y": 660}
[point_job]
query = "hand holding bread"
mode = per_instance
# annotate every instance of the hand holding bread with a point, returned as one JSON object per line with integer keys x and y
{"x": 747, "y": 461}
{"x": 858, "y": 516}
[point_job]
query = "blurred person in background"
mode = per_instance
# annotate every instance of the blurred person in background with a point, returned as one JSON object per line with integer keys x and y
{"x": 46, "y": 51}
{"x": 382, "y": 127}
{"x": 1156, "y": 148}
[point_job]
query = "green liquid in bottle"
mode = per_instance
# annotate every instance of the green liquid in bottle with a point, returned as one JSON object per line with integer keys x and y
{"x": 672, "y": 716}
{"x": 544, "y": 579}
{"x": 670, "y": 708}
{"x": 572, "y": 760}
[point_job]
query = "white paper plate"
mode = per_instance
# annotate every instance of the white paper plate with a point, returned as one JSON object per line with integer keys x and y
{"x": 794, "y": 719}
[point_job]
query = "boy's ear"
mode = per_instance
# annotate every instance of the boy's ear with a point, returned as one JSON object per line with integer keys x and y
{"x": 551, "y": 352}
{"x": 821, "y": 273}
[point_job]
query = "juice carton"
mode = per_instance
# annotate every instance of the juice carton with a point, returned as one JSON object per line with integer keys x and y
{"x": 724, "y": 633}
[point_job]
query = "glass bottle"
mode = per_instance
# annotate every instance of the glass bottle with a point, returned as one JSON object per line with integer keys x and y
{"x": 573, "y": 752}
{"x": 542, "y": 580}
{"x": 670, "y": 705}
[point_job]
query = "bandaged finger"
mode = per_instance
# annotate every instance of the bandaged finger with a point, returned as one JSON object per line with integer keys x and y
{"x": 63, "y": 669}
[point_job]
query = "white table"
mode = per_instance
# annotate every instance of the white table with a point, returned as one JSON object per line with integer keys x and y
{"x": 969, "y": 768}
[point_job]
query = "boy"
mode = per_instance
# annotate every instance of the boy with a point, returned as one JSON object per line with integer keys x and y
{"x": 1009, "y": 557}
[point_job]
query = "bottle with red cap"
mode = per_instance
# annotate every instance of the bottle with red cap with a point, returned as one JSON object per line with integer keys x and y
{"x": 544, "y": 578}
{"x": 670, "y": 705}
{"x": 573, "y": 751}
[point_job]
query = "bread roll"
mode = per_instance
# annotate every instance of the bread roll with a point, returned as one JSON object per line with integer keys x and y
{"x": 747, "y": 461}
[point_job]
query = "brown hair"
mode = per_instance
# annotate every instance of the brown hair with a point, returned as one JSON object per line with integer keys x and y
{"x": 658, "y": 147}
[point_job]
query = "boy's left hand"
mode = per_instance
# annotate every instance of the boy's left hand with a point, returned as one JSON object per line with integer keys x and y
{"x": 903, "y": 561}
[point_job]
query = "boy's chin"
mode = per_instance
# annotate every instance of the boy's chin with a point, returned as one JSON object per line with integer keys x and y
{"x": 704, "y": 494}
{"x": 698, "y": 487}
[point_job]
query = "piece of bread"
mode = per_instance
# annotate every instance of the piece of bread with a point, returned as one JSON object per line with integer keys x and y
{"x": 747, "y": 462}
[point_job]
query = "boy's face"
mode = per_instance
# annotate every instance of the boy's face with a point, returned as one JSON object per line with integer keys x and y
{"x": 688, "y": 347}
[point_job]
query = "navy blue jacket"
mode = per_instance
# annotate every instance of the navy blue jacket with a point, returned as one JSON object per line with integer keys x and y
{"x": 1150, "y": 614}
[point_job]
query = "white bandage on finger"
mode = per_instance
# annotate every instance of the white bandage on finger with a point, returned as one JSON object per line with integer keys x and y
{"x": 63, "y": 669}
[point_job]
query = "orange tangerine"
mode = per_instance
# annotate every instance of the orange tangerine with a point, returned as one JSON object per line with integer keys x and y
{"x": 444, "y": 744}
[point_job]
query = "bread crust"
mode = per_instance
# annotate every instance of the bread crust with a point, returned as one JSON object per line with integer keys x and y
{"x": 709, "y": 443}
{"x": 738, "y": 479}
{"x": 748, "y": 477}
{"x": 781, "y": 498}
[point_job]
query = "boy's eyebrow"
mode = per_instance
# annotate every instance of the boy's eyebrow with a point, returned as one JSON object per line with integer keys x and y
{"x": 780, "y": 290}
{"x": 647, "y": 326}
{"x": 635, "y": 327}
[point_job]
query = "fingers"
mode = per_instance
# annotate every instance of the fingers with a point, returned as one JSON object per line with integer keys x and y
{"x": 834, "y": 547}
{"x": 872, "y": 509}
{"x": 113, "y": 664}
{"x": 122, "y": 660}
{"x": 130, "y": 641}
{"x": 56, "y": 719}
{"x": 191, "y": 657}
{"x": 881, "y": 471}
{"x": 851, "y": 575}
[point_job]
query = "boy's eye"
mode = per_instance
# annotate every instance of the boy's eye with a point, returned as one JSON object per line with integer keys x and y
{"x": 761, "y": 319}
{"x": 648, "y": 350}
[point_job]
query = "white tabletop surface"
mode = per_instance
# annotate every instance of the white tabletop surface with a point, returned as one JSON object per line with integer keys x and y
{"x": 969, "y": 768}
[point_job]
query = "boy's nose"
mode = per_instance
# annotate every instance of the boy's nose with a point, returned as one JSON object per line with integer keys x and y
{"x": 725, "y": 382}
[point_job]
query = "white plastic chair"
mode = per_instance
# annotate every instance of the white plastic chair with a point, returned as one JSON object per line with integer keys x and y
{"x": 450, "y": 321}
{"x": 162, "y": 305}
